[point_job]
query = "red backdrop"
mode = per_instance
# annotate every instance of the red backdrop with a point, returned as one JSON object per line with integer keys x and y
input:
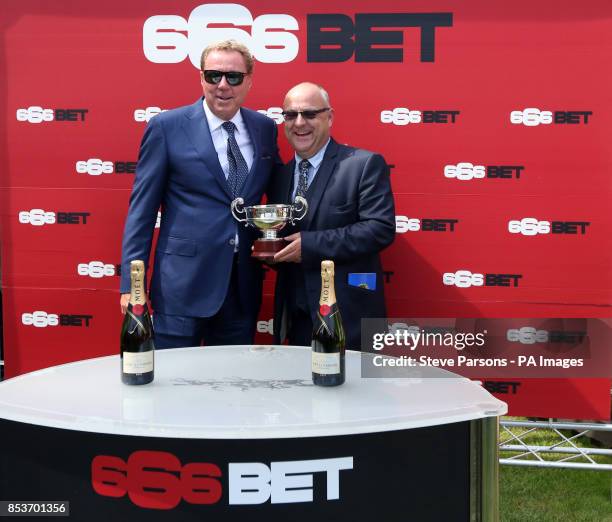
{"x": 495, "y": 119}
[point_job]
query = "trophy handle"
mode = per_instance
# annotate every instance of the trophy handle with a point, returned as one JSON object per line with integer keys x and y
{"x": 300, "y": 205}
{"x": 237, "y": 211}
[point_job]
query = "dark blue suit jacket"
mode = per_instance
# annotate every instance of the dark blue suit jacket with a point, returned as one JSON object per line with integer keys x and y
{"x": 178, "y": 169}
{"x": 351, "y": 218}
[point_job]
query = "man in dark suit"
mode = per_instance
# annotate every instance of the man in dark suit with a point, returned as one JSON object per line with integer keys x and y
{"x": 350, "y": 219}
{"x": 193, "y": 162}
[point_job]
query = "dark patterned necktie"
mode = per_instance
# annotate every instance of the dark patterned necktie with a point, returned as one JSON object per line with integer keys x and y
{"x": 238, "y": 168}
{"x": 303, "y": 167}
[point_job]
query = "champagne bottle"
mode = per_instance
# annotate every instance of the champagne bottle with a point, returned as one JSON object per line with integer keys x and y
{"x": 328, "y": 339}
{"x": 137, "y": 346}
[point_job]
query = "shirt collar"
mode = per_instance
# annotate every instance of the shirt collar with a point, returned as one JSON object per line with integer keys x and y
{"x": 315, "y": 160}
{"x": 214, "y": 122}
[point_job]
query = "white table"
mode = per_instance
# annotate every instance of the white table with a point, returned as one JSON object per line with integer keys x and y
{"x": 237, "y": 405}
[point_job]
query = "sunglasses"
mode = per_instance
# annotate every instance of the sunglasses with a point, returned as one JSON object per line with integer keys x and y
{"x": 233, "y": 78}
{"x": 308, "y": 114}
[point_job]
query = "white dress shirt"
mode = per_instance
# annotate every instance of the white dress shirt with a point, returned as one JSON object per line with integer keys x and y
{"x": 219, "y": 137}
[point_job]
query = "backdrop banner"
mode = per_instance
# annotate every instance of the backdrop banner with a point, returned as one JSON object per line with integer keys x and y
{"x": 494, "y": 119}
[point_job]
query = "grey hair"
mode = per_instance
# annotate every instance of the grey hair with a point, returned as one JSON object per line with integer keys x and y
{"x": 229, "y": 45}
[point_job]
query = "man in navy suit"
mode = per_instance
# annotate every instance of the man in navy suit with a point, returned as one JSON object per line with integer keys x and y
{"x": 193, "y": 162}
{"x": 350, "y": 219}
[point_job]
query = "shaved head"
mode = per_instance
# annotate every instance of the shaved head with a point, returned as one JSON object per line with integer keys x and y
{"x": 308, "y": 135}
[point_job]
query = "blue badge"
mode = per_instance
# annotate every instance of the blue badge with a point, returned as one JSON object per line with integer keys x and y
{"x": 367, "y": 281}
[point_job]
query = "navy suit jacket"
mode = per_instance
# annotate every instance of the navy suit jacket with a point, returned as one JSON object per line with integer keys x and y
{"x": 179, "y": 170}
{"x": 351, "y": 218}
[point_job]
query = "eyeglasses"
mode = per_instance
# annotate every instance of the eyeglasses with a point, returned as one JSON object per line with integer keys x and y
{"x": 308, "y": 114}
{"x": 233, "y": 78}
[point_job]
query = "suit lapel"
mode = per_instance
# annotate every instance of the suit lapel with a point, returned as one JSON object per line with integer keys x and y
{"x": 287, "y": 182}
{"x": 256, "y": 141}
{"x": 317, "y": 188}
{"x": 196, "y": 128}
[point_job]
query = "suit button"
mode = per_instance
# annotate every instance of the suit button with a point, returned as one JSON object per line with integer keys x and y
{"x": 232, "y": 241}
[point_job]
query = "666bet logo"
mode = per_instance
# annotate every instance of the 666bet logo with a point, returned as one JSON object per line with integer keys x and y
{"x": 534, "y": 226}
{"x": 42, "y": 319}
{"x": 98, "y": 269}
{"x": 403, "y": 116}
{"x": 159, "y": 480}
{"x": 530, "y": 335}
{"x": 37, "y": 217}
{"x": 467, "y": 279}
{"x": 97, "y": 166}
{"x": 36, "y": 114}
{"x": 532, "y": 117}
{"x": 465, "y": 171}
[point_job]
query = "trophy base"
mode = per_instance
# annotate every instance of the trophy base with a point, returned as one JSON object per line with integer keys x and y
{"x": 266, "y": 248}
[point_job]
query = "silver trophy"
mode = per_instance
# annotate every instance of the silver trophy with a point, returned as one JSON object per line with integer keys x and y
{"x": 269, "y": 219}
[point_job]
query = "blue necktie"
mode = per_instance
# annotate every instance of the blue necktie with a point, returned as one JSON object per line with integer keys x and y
{"x": 303, "y": 167}
{"x": 238, "y": 168}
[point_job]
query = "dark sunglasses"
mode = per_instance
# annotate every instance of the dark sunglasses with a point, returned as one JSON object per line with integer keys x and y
{"x": 233, "y": 78}
{"x": 309, "y": 114}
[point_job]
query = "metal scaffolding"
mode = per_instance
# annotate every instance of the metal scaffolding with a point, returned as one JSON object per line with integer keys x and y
{"x": 563, "y": 453}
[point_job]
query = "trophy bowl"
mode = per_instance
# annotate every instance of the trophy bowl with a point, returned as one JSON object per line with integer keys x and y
{"x": 269, "y": 219}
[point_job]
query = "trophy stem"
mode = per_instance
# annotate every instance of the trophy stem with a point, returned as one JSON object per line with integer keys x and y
{"x": 269, "y": 234}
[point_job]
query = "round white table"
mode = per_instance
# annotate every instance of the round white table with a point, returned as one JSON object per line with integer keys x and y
{"x": 240, "y": 431}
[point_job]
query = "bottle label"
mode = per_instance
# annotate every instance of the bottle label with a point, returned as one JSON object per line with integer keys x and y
{"x": 325, "y": 363}
{"x": 324, "y": 310}
{"x": 141, "y": 362}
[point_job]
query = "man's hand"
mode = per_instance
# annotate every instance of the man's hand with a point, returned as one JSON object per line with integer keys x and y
{"x": 292, "y": 253}
{"x": 125, "y": 299}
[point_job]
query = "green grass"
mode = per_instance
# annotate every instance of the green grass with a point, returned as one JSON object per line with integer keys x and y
{"x": 542, "y": 495}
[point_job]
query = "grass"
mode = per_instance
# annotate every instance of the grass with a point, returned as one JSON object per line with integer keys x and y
{"x": 551, "y": 495}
